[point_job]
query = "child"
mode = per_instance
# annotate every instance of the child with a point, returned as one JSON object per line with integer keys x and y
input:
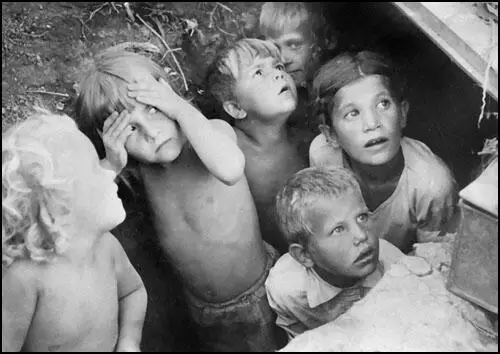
{"x": 305, "y": 39}
{"x": 249, "y": 81}
{"x": 410, "y": 191}
{"x": 300, "y": 31}
{"x": 67, "y": 284}
{"x": 202, "y": 209}
{"x": 333, "y": 257}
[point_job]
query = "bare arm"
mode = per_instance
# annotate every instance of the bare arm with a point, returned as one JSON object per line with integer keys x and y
{"x": 132, "y": 298}
{"x": 213, "y": 140}
{"x": 19, "y": 297}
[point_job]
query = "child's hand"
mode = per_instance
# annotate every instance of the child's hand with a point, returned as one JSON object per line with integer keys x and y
{"x": 158, "y": 94}
{"x": 116, "y": 130}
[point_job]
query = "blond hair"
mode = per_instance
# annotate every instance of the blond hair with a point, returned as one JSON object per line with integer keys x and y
{"x": 277, "y": 18}
{"x": 103, "y": 89}
{"x": 35, "y": 201}
{"x": 298, "y": 197}
{"x": 224, "y": 70}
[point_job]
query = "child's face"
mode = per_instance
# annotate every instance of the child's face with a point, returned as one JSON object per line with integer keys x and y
{"x": 264, "y": 89}
{"x": 296, "y": 50}
{"x": 367, "y": 120}
{"x": 342, "y": 243}
{"x": 155, "y": 137}
{"x": 95, "y": 201}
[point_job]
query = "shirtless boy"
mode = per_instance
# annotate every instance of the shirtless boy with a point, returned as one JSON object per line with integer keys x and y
{"x": 251, "y": 84}
{"x": 67, "y": 284}
{"x": 192, "y": 171}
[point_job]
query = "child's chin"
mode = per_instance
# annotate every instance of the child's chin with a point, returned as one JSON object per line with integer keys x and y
{"x": 369, "y": 268}
{"x": 169, "y": 152}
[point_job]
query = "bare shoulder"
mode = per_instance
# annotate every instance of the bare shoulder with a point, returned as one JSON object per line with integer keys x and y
{"x": 111, "y": 246}
{"x": 322, "y": 153}
{"x": 223, "y": 127}
{"x": 22, "y": 275}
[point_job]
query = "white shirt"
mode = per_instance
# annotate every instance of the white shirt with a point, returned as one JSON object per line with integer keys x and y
{"x": 302, "y": 300}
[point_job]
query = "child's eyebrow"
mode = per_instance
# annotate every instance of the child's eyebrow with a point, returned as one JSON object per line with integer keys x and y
{"x": 262, "y": 62}
{"x": 293, "y": 41}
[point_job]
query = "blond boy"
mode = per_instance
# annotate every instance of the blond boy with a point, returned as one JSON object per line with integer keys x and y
{"x": 67, "y": 284}
{"x": 334, "y": 257}
{"x": 305, "y": 40}
{"x": 202, "y": 209}
{"x": 251, "y": 84}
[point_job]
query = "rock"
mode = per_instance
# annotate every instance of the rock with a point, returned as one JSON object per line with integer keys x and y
{"x": 409, "y": 309}
{"x": 417, "y": 265}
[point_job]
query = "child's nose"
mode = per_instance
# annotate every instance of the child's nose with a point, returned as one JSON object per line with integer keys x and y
{"x": 286, "y": 56}
{"x": 360, "y": 236}
{"x": 150, "y": 131}
{"x": 278, "y": 74}
{"x": 371, "y": 121}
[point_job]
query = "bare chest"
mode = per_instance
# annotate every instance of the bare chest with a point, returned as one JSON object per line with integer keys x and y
{"x": 191, "y": 201}
{"x": 76, "y": 307}
{"x": 268, "y": 171}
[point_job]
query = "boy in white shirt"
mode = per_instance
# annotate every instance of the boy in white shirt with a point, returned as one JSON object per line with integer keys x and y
{"x": 333, "y": 258}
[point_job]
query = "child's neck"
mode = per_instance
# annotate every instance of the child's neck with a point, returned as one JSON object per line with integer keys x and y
{"x": 81, "y": 247}
{"x": 264, "y": 134}
{"x": 388, "y": 171}
{"x": 338, "y": 281}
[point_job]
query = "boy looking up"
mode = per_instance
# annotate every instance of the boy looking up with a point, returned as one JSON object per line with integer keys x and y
{"x": 251, "y": 84}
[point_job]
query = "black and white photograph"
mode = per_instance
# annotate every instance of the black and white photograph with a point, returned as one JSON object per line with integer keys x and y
{"x": 250, "y": 176}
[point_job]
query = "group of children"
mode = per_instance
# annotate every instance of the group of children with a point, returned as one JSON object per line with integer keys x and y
{"x": 272, "y": 229}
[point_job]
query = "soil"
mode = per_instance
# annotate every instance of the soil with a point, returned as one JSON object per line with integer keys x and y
{"x": 46, "y": 46}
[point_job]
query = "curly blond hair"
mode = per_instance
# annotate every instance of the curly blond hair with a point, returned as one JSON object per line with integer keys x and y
{"x": 35, "y": 201}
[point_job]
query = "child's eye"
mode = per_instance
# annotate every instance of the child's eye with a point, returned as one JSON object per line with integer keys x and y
{"x": 338, "y": 230}
{"x": 352, "y": 114}
{"x": 280, "y": 67}
{"x": 363, "y": 218}
{"x": 133, "y": 127}
{"x": 258, "y": 72}
{"x": 384, "y": 104}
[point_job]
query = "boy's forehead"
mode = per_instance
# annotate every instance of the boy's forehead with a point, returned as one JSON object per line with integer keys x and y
{"x": 362, "y": 87}
{"x": 243, "y": 61}
{"x": 288, "y": 35}
{"x": 139, "y": 73}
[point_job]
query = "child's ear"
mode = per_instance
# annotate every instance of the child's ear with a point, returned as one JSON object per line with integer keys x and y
{"x": 234, "y": 110}
{"x": 330, "y": 136}
{"x": 300, "y": 254}
{"x": 405, "y": 107}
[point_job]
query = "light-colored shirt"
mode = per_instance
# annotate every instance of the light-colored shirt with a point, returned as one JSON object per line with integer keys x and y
{"x": 423, "y": 202}
{"x": 303, "y": 300}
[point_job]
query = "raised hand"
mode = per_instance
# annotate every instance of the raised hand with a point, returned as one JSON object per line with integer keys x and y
{"x": 158, "y": 94}
{"x": 116, "y": 130}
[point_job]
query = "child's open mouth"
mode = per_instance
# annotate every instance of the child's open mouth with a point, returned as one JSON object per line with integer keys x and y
{"x": 284, "y": 89}
{"x": 374, "y": 142}
{"x": 364, "y": 256}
